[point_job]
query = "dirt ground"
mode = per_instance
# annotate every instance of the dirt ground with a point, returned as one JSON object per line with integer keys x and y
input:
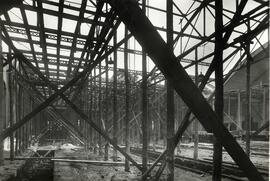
{"x": 9, "y": 169}
{"x": 87, "y": 172}
{"x": 64, "y": 171}
{"x": 259, "y": 152}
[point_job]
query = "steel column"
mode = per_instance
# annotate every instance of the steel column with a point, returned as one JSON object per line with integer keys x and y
{"x": 127, "y": 102}
{"x": 170, "y": 98}
{"x": 239, "y": 112}
{"x": 106, "y": 114}
{"x": 144, "y": 105}
{"x": 99, "y": 117}
{"x": 115, "y": 109}
{"x": 11, "y": 104}
{"x": 195, "y": 122}
{"x": 248, "y": 103}
{"x": 217, "y": 155}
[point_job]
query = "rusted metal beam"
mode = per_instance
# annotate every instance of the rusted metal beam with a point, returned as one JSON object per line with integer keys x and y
{"x": 130, "y": 13}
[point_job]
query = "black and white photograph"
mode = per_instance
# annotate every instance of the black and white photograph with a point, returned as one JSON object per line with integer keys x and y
{"x": 134, "y": 90}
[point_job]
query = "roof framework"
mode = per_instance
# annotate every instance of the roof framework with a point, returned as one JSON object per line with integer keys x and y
{"x": 69, "y": 39}
{"x": 57, "y": 52}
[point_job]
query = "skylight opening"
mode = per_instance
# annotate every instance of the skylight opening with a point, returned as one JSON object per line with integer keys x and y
{"x": 51, "y": 41}
{"x": 50, "y": 21}
{"x": 69, "y": 25}
{"x": 21, "y": 45}
{"x": 15, "y": 15}
{"x": 66, "y": 43}
{"x": 89, "y": 16}
{"x": 35, "y": 39}
{"x": 85, "y": 29}
{"x": 17, "y": 35}
{"x": 53, "y": 71}
{"x": 41, "y": 65}
{"x": 64, "y": 52}
{"x": 72, "y": 12}
{"x": 51, "y": 50}
{"x": 31, "y": 17}
{"x": 37, "y": 48}
{"x": 52, "y": 66}
{"x": 63, "y": 68}
{"x": 77, "y": 54}
{"x": 50, "y": 7}
{"x": 74, "y": 3}
{"x": 64, "y": 59}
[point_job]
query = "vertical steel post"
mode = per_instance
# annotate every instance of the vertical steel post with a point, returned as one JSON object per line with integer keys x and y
{"x": 115, "y": 110}
{"x": 16, "y": 107}
{"x": 217, "y": 155}
{"x": 11, "y": 102}
{"x": 31, "y": 121}
{"x": 99, "y": 110}
{"x": 264, "y": 116}
{"x": 239, "y": 117}
{"x": 91, "y": 135}
{"x": 144, "y": 105}
{"x": 170, "y": 98}
{"x": 196, "y": 123}
{"x": 24, "y": 126}
{"x": 229, "y": 104}
{"x": 106, "y": 121}
{"x": 19, "y": 117}
{"x": 95, "y": 109}
{"x": 248, "y": 99}
{"x": 127, "y": 109}
{"x": 2, "y": 104}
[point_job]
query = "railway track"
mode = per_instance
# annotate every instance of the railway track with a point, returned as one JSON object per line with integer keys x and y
{"x": 229, "y": 170}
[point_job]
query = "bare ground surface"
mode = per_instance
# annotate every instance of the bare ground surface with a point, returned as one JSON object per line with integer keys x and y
{"x": 81, "y": 172}
{"x": 9, "y": 169}
{"x": 259, "y": 152}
